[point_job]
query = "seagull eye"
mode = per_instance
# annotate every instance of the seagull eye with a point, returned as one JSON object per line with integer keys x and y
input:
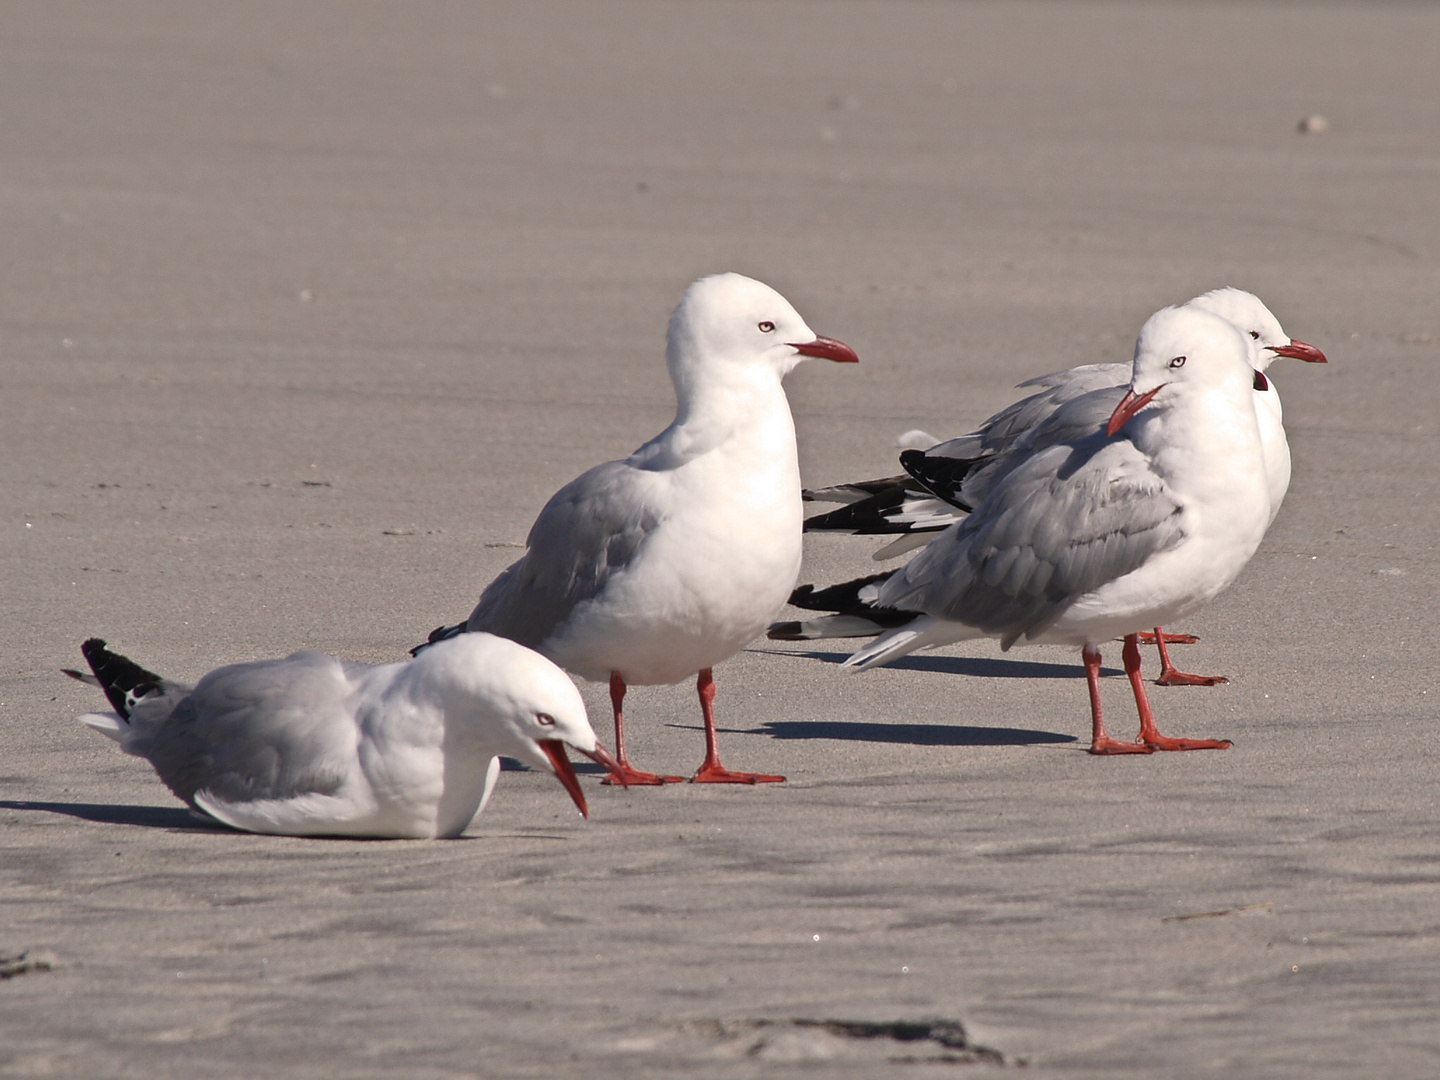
{"x": 767, "y": 327}
{"x": 1255, "y": 335}
{"x": 545, "y": 719}
{"x": 1179, "y": 361}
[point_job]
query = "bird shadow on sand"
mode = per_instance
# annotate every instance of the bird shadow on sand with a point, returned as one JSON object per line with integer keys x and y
{"x": 987, "y": 667}
{"x": 153, "y": 817}
{"x": 581, "y": 768}
{"x": 910, "y": 734}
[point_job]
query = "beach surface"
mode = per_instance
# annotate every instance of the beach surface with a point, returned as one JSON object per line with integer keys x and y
{"x": 305, "y": 310}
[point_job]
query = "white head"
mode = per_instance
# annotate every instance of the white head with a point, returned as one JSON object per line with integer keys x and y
{"x": 1260, "y": 326}
{"x": 729, "y": 325}
{"x": 510, "y": 700}
{"x": 1181, "y": 350}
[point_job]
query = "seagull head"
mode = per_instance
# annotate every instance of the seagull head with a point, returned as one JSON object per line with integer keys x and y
{"x": 507, "y": 699}
{"x": 1261, "y": 328}
{"x": 1181, "y": 350}
{"x": 729, "y": 325}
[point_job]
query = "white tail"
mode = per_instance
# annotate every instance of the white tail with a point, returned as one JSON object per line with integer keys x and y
{"x": 108, "y": 724}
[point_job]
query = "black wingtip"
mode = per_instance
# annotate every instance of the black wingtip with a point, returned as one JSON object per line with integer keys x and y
{"x": 123, "y": 680}
{"x": 440, "y": 633}
{"x": 941, "y": 476}
{"x": 842, "y": 599}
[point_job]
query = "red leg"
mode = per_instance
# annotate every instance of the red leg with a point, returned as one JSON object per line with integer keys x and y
{"x": 1148, "y": 735}
{"x": 1100, "y": 743}
{"x": 1159, "y": 637}
{"x": 1169, "y": 675}
{"x": 711, "y": 771}
{"x": 625, "y": 775}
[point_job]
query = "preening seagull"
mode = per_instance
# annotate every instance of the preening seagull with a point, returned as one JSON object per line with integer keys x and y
{"x": 313, "y": 746}
{"x": 659, "y": 566}
{"x": 1101, "y": 535}
{"x": 947, "y": 479}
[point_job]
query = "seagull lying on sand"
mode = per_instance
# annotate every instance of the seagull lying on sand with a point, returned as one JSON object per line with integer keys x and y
{"x": 1087, "y": 539}
{"x": 313, "y": 746}
{"x": 656, "y": 568}
{"x": 947, "y": 479}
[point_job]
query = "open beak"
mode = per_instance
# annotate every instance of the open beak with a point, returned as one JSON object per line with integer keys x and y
{"x": 564, "y": 772}
{"x": 825, "y": 348}
{"x": 601, "y": 756}
{"x": 1298, "y": 350}
{"x": 1128, "y": 407}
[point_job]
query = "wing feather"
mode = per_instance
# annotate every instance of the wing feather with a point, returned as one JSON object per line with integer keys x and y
{"x": 588, "y": 531}
{"x": 1062, "y": 523}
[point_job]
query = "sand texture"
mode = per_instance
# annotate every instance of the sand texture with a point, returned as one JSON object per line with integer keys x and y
{"x": 306, "y": 309}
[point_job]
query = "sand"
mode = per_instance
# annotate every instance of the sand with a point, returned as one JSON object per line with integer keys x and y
{"x": 304, "y": 312}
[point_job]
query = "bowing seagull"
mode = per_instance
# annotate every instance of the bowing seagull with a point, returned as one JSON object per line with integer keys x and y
{"x": 313, "y": 746}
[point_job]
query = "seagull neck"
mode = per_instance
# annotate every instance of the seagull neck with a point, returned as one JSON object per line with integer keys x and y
{"x": 725, "y": 399}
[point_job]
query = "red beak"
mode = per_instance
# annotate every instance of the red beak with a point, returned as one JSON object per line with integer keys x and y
{"x": 564, "y": 772}
{"x": 1298, "y": 350}
{"x": 825, "y": 348}
{"x": 601, "y": 756}
{"x": 1128, "y": 407}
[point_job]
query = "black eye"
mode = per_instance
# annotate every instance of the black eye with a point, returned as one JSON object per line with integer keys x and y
{"x": 1179, "y": 361}
{"x": 767, "y": 327}
{"x": 1255, "y": 335}
{"x": 545, "y": 718}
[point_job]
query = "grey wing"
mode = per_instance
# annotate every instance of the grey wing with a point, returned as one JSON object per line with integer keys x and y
{"x": 1075, "y": 419}
{"x": 590, "y": 529}
{"x": 1021, "y": 418}
{"x": 273, "y": 729}
{"x": 1063, "y": 523}
{"x": 1066, "y": 408}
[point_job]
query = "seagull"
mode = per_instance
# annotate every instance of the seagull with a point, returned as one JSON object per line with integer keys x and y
{"x": 946, "y": 479}
{"x": 1106, "y": 533}
{"x": 313, "y": 746}
{"x": 655, "y": 568}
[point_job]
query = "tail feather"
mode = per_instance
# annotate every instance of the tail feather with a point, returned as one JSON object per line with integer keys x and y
{"x": 867, "y": 516}
{"x": 843, "y": 598}
{"x": 851, "y": 612}
{"x": 124, "y": 681}
{"x": 440, "y": 633}
{"x": 901, "y": 544}
{"x": 854, "y": 492}
{"x": 915, "y": 439}
{"x": 107, "y": 723}
{"x": 925, "y": 632}
{"x": 887, "y": 647}
{"x": 826, "y": 626}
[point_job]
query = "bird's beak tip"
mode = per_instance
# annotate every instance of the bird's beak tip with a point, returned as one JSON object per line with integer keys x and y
{"x": 824, "y": 348}
{"x": 554, "y": 749}
{"x": 1299, "y": 350}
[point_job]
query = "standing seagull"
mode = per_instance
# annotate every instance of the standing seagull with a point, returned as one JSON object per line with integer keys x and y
{"x": 1101, "y": 536}
{"x": 311, "y": 746}
{"x": 950, "y": 478}
{"x": 658, "y": 567}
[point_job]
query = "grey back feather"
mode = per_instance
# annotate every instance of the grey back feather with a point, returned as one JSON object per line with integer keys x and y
{"x": 273, "y": 729}
{"x": 1060, "y": 524}
{"x": 590, "y": 530}
{"x": 1078, "y": 417}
